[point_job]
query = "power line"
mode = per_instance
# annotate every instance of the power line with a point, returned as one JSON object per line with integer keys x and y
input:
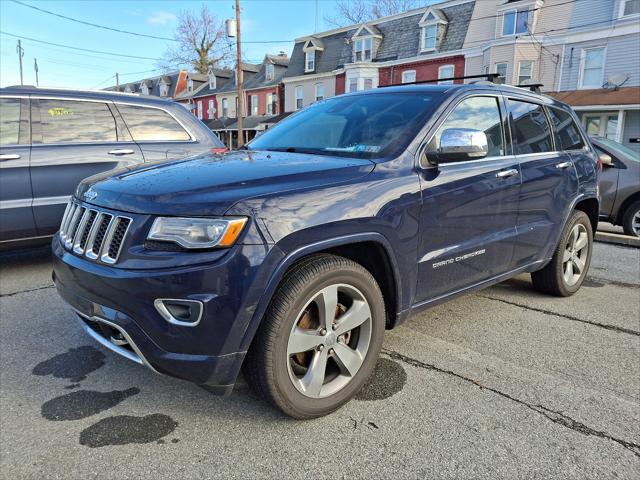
{"x": 118, "y": 30}
{"x": 76, "y": 48}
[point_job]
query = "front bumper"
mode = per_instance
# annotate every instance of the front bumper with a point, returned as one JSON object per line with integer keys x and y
{"x": 116, "y": 308}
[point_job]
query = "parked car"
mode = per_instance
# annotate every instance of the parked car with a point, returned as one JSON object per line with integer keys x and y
{"x": 619, "y": 185}
{"x": 290, "y": 259}
{"x": 50, "y": 139}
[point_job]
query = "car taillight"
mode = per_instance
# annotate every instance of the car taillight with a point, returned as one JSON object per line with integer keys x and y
{"x": 219, "y": 150}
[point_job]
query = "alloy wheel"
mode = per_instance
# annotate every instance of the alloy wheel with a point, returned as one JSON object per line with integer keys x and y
{"x": 635, "y": 223}
{"x": 329, "y": 341}
{"x": 575, "y": 254}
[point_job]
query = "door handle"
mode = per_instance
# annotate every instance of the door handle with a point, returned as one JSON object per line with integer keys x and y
{"x": 121, "y": 151}
{"x": 10, "y": 156}
{"x": 564, "y": 165}
{"x": 507, "y": 173}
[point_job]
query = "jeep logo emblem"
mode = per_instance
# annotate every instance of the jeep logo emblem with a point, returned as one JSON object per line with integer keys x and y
{"x": 90, "y": 195}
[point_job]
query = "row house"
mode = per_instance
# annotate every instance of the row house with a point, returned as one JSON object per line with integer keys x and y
{"x": 421, "y": 44}
{"x": 217, "y": 102}
{"x": 585, "y": 53}
{"x": 199, "y": 96}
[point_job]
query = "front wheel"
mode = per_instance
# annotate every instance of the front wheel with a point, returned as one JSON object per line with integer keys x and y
{"x": 568, "y": 267}
{"x": 320, "y": 338}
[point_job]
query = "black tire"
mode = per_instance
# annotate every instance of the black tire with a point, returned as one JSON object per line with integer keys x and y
{"x": 627, "y": 219}
{"x": 267, "y": 365}
{"x": 551, "y": 279}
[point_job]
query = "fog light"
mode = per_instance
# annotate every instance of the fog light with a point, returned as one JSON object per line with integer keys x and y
{"x": 185, "y": 313}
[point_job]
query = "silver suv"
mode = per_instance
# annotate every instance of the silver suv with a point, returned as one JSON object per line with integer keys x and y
{"x": 51, "y": 139}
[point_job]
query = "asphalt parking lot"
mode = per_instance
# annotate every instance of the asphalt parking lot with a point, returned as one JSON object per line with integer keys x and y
{"x": 504, "y": 383}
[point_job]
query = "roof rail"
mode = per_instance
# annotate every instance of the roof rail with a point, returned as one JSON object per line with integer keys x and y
{"x": 491, "y": 77}
{"x": 534, "y": 87}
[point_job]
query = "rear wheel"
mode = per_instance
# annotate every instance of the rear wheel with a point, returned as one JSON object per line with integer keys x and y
{"x": 631, "y": 219}
{"x": 320, "y": 337}
{"x": 568, "y": 268}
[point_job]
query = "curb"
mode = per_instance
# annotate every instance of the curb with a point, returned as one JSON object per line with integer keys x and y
{"x": 617, "y": 239}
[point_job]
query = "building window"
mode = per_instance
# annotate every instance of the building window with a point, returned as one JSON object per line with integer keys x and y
{"x": 319, "y": 91}
{"x": 353, "y": 84}
{"x": 446, "y": 71}
{"x": 310, "y": 61}
{"x": 299, "y": 97}
{"x": 515, "y": 22}
{"x": 200, "y": 109}
{"x": 429, "y": 37}
{"x": 254, "y": 104}
{"x": 630, "y": 7}
{"x": 212, "y": 82}
{"x": 189, "y": 85}
{"x": 409, "y": 76}
{"x": 164, "y": 89}
{"x": 591, "y": 68}
{"x": 362, "y": 49}
{"x": 368, "y": 83}
{"x": 225, "y": 107}
{"x": 144, "y": 89}
{"x": 211, "y": 111}
{"x": 501, "y": 70}
{"x": 269, "y": 72}
{"x": 272, "y": 107}
{"x": 602, "y": 125}
{"x": 525, "y": 72}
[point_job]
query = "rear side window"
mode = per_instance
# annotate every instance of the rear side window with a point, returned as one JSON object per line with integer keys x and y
{"x": 152, "y": 124}
{"x": 567, "y": 132}
{"x": 69, "y": 121}
{"x": 9, "y": 121}
{"x": 530, "y": 128}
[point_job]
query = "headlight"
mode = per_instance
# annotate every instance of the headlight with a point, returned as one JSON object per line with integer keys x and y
{"x": 197, "y": 232}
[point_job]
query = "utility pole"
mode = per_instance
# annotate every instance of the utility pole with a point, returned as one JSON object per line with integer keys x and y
{"x": 117, "y": 82}
{"x": 20, "y": 52}
{"x": 35, "y": 67}
{"x": 239, "y": 77}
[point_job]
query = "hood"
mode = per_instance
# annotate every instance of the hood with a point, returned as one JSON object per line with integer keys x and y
{"x": 210, "y": 185}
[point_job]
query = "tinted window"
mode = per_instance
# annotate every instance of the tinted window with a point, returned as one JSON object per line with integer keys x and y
{"x": 365, "y": 126}
{"x": 76, "y": 122}
{"x": 478, "y": 113}
{"x": 531, "y": 131}
{"x": 152, "y": 124}
{"x": 567, "y": 132}
{"x": 9, "y": 121}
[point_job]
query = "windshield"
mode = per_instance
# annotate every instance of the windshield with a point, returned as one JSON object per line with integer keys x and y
{"x": 618, "y": 149}
{"x": 363, "y": 126}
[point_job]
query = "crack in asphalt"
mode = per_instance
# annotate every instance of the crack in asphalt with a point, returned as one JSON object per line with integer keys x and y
{"x": 568, "y": 317}
{"x": 26, "y": 291}
{"x": 556, "y": 417}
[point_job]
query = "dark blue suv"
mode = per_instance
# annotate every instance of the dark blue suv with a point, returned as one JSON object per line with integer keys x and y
{"x": 289, "y": 259}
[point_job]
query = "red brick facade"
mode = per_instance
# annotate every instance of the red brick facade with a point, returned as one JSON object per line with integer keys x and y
{"x": 425, "y": 70}
{"x": 262, "y": 94}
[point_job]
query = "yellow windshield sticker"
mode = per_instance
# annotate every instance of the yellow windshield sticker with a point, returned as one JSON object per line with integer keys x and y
{"x": 59, "y": 112}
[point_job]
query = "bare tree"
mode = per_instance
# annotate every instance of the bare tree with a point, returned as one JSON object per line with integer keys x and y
{"x": 350, "y": 12}
{"x": 200, "y": 42}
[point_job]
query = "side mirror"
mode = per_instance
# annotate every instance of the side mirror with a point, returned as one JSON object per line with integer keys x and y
{"x": 605, "y": 160}
{"x": 459, "y": 144}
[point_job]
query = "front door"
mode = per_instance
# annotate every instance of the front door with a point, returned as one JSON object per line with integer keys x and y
{"x": 549, "y": 181}
{"x": 469, "y": 207}
{"x": 16, "y": 218}
{"x": 72, "y": 140}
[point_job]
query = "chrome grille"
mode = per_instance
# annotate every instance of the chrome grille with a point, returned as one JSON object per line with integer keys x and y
{"x": 92, "y": 233}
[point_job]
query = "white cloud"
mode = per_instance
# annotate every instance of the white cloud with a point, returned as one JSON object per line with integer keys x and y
{"x": 160, "y": 17}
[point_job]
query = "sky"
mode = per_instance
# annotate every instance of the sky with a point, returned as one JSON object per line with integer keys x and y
{"x": 63, "y": 67}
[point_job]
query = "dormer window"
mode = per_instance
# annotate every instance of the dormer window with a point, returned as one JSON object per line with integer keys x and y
{"x": 432, "y": 27}
{"x": 310, "y": 48}
{"x": 310, "y": 61}
{"x": 362, "y": 49}
{"x": 269, "y": 72}
{"x": 144, "y": 89}
{"x": 212, "y": 78}
{"x": 189, "y": 85}
{"x": 164, "y": 90}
